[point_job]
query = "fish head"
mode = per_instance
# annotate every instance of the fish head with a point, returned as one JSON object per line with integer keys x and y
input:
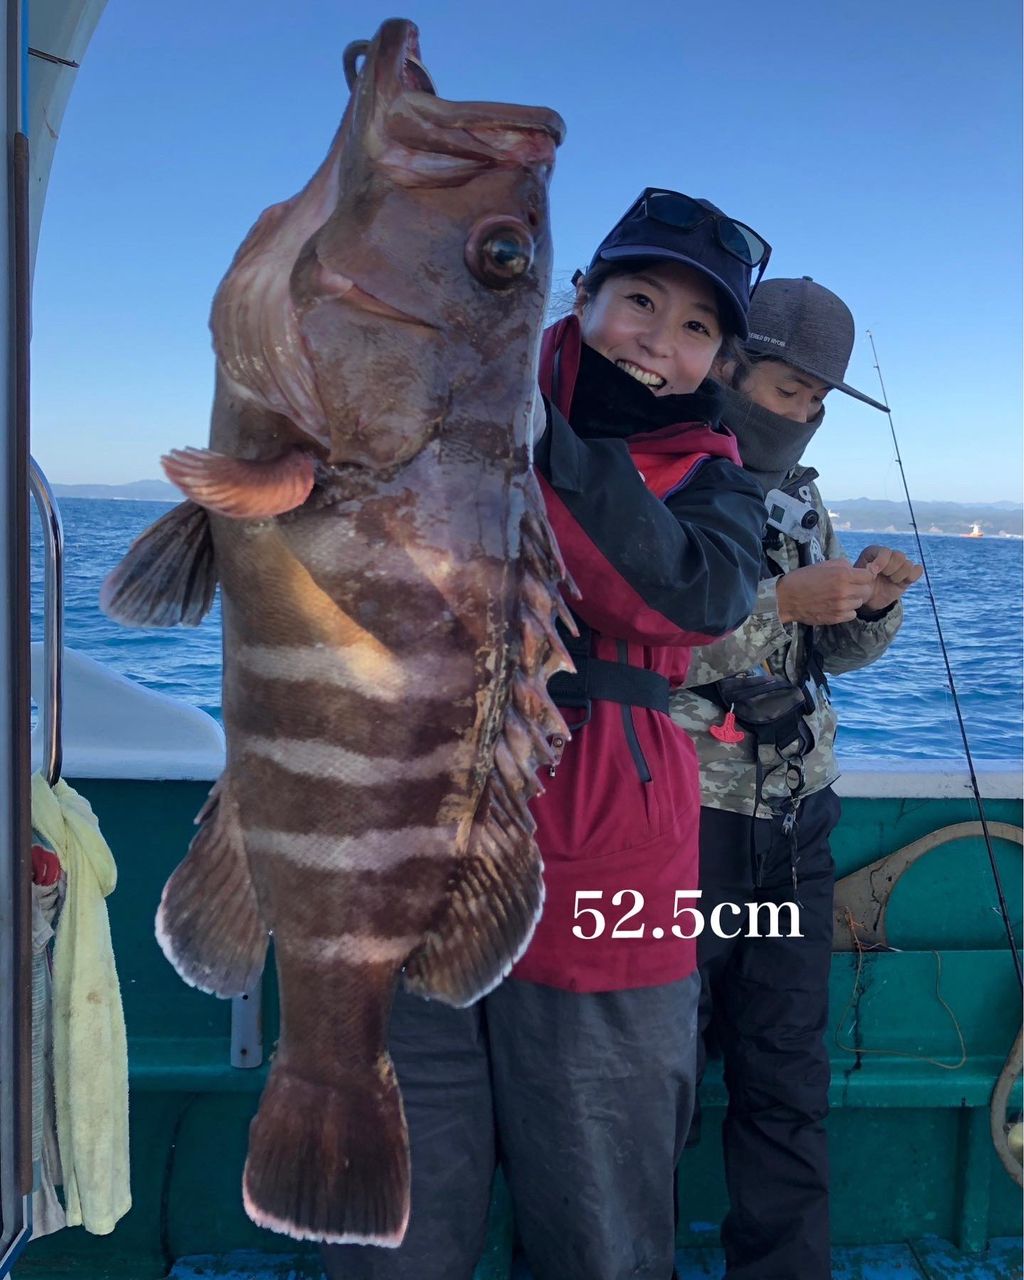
{"x": 429, "y": 276}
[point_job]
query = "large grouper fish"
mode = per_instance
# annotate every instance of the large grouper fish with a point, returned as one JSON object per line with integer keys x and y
{"x": 390, "y": 588}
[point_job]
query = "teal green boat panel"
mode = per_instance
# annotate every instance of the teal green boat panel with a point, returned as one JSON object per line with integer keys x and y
{"x": 910, "y": 1150}
{"x": 148, "y": 826}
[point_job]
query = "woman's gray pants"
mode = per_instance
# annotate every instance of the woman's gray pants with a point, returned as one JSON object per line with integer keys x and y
{"x": 585, "y": 1100}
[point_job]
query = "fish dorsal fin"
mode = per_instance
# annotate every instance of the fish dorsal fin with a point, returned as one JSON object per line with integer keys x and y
{"x": 497, "y": 892}
{"x": 168, "y": 575}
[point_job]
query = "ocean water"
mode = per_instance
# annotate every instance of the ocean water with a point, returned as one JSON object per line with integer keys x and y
{"x": 900, "y": 707}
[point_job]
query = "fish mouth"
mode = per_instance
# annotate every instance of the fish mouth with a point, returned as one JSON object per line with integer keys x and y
{"x": 413, "y": 75}
{"x": 416, "y": 78}
{"x": 420, "y": 140}
{"x": 410, "y": 114}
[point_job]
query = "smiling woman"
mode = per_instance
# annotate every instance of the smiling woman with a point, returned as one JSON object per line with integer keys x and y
{"x": 659, "y": 322}
{"x": 666, "y": 291}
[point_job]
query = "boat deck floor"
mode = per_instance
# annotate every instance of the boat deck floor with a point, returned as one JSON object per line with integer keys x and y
{"x": 928, "y": 1259}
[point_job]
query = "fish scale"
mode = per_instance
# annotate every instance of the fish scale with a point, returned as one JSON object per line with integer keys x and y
{"x": 390, "y": 588}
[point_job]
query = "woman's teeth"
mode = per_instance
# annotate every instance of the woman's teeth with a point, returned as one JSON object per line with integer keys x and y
{"x": 654, "y": 380}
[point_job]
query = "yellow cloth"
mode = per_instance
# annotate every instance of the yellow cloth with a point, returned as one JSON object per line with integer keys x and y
{"x": 90, "y": 1052}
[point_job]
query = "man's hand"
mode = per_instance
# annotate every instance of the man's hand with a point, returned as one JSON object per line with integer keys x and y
{"x": 895, "y": 574}
{"x": 819, "y": 594}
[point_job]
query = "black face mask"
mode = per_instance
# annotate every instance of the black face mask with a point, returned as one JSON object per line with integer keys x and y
{"x": 770, "y": 445}
{"x": 607, "y": 401}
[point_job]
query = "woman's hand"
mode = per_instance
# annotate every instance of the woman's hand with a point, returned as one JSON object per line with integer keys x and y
{"x": 819, "y": 594}
{"x": 895, "y": 574}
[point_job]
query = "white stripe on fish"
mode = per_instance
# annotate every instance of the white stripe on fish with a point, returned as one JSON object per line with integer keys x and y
{"x": 361, "y": 667}
{"x": 315, "y": 758}
{"x": 357, "y": 948}
{"x": 372, "y": 851}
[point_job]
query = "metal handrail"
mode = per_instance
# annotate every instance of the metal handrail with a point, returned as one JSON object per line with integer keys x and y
{"x": 52, "y": 697}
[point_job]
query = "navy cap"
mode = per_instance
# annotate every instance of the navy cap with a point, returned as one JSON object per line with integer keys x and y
{"x": 637, "y": 236}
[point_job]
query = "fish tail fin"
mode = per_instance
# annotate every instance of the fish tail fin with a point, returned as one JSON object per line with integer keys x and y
{"x": 208, "y": 923}
{"x": 168, "y": 575}
{"x": 330, "y": 1162}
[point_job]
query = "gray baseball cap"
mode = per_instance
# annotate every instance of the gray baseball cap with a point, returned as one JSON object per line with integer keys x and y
{"x": 805, "y": 325}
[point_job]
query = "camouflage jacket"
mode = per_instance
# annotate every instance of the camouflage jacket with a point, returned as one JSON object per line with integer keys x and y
{"x": 728, "y": 774}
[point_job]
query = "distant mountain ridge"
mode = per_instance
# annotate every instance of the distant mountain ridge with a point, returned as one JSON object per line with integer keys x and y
{"x": 883, "y": 516}
{"x": 140, "y": 490}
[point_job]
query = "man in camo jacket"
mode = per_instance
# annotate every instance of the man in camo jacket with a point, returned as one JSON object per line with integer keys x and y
{"x": 767, "y": 803}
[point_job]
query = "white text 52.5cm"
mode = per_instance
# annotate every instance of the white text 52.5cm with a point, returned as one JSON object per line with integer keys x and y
{"x": 693, "y": 922}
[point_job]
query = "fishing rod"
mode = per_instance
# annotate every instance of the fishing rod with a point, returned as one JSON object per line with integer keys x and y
{"x": 1003, "y": 909}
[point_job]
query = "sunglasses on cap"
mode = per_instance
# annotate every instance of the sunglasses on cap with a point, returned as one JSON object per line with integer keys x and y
{"x": 673, "y": 209}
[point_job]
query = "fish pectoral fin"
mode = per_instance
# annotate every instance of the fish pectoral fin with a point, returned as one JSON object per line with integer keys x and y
{"x": 168, "y": 576}
{"x": 242, "y": 488}
{"x": 492, "y": 909}
{"x": 208, "y": 923}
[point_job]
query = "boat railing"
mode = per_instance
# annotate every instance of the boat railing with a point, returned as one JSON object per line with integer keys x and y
{"x": 53, "y": 621}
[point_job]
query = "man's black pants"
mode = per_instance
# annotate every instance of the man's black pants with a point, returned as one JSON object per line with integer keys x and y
{"x": 584, "y": 1099}
{"x": 764, "y": 1004}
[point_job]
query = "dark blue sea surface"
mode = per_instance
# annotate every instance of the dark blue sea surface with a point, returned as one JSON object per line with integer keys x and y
{"x": 899, "y": 707}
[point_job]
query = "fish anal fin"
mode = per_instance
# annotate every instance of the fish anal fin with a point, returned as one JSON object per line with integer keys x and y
{"x": 498, "y": 891}
{"x": 168, "y": 575}
{"x": 493, "y": 907}
{"x": 208, "y": 923}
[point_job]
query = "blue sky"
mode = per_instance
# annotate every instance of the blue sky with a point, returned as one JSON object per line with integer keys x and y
{"x": 876, "y": 146}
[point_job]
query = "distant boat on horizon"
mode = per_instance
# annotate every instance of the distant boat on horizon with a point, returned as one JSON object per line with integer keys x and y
{"x": 975, "y": 531}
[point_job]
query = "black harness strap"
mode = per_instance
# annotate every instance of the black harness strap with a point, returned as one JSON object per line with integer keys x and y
{"x": 610, "y": 682}
{"x": 596, "y": 679}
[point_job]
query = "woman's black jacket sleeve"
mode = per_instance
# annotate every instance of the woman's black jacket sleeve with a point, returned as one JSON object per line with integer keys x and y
{"x": 680, "y": 571}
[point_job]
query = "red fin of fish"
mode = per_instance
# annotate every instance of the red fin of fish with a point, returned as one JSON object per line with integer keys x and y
{"x": 242, "y": 488}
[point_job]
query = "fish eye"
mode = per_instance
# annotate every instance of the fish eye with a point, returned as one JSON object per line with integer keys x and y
{"x": 499, "y": 251}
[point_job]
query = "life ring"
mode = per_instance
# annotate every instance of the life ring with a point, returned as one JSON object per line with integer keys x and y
{"x": 1006, "y": 1136}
